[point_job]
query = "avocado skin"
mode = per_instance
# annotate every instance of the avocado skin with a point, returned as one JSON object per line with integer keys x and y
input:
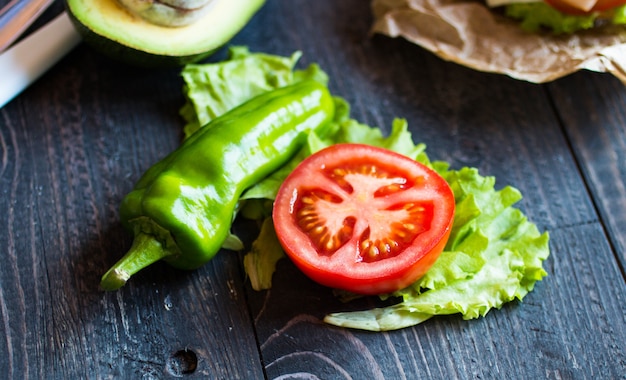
{"x": 133, "y": 56}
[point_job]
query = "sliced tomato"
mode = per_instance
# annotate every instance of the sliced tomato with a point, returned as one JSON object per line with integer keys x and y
{"x": 583, "y": 7}
{"x": 363, "y": 219}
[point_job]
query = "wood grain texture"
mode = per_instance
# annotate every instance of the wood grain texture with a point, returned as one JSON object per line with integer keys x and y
{"x": 75, "y": 142}
{"x": 73, "y": 145}
{"x": 505, "y": 128}
{"x": 596, "y": 126}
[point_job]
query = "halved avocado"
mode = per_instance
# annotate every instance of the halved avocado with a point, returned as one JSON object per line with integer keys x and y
{"x": 115, "y": 31}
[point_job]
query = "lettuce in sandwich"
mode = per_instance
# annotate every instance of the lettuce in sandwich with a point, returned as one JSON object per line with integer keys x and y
{"x": 563, "y": 16}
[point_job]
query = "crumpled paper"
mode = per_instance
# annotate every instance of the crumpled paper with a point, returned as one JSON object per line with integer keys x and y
{"x": 470, "y": 34}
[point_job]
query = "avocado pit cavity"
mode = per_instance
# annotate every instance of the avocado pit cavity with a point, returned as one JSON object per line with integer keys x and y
{"x": 169, "y": 13}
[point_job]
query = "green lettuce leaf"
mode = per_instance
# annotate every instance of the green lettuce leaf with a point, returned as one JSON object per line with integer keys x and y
{"x": 537, "y": 16}
{"x": 619, "y": 15}
{"x": 494, "y": 254}
{"x": 212, "y": 89}
{"x": 260, "y": 262}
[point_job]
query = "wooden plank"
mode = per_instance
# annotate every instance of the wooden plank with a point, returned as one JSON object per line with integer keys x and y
{"x": 503, "y": 127}
{"x": 564, "y": 329}
{"x": 74, "y": 144}
{"x": 593, "y": 110}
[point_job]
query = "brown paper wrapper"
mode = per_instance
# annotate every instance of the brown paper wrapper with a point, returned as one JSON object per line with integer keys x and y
{"x": 469, "y": 33}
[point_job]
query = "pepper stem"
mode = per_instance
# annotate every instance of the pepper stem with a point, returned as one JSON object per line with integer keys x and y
{"x": 146, "y": 250}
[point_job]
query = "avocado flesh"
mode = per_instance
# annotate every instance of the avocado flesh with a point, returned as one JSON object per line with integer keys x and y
{"x": 118, "y": 33}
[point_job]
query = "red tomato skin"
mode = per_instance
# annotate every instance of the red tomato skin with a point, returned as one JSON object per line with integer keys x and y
{"x": 600, "y": 6}
{"x": 392, "y": 282}
{"x": 380, "y": 277}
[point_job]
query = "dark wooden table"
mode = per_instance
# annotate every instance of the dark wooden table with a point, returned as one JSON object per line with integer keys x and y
{"x": 73, "y": 144}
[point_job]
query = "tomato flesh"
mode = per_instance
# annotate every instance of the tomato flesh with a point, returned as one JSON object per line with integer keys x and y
{"x": 363, "y": 219}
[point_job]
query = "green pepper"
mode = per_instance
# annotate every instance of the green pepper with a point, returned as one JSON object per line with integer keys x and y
{"x": 181, "y": 209}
